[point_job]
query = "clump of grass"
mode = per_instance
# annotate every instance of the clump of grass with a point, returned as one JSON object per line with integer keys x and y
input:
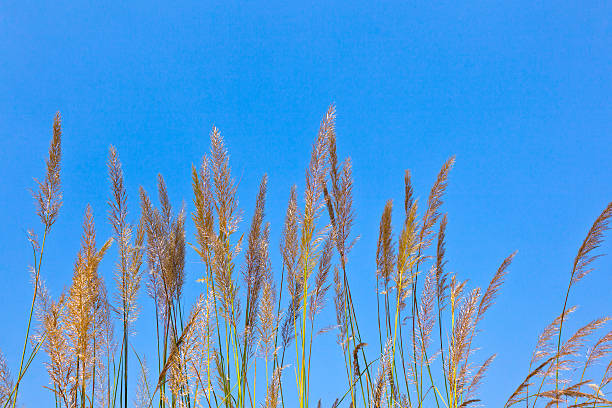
{"x": 208, "y": 354}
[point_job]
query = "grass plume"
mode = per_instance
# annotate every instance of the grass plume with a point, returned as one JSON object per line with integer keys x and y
{"x": 253, "y": 318}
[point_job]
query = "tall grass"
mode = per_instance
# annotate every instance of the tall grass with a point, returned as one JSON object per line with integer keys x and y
{"x": 249, "y": 327}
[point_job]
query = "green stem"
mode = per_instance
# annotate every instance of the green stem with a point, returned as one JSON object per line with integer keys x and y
{"x": 37, "y": 266}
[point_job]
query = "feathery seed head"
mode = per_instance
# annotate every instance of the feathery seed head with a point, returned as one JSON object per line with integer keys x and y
{"x": 49, "y": 195}
{"x": 385, "y": 252}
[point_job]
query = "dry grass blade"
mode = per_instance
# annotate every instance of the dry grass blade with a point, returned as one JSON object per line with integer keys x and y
{"x": 289, "y": 245}
{"x": 356, "y": 370}
{"x": 434, "y": 202}
{"x": 408, "y": 192}
{"x": 441, "y": 276}
{"x": 385, "y": 252}
{"x": 469, "y": 402}
{"x": 493, "y": 288}
{"x": 591, "y": 242}
{"x": 49, "y": 195}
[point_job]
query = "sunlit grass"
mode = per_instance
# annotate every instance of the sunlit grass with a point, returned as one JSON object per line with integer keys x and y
{"x": 249, "y": 327}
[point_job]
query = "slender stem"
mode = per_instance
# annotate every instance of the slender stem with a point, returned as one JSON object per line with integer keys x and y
{"x": 125, "y": 365}
{"x": 559, "y": 337}
{"x": 27, "y": 336}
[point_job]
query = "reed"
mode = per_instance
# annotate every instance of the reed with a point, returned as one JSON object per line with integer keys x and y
{"x": 247, "y": 324}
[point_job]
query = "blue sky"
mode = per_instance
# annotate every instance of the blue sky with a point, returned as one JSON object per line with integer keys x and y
{"x": 519, "y": 91}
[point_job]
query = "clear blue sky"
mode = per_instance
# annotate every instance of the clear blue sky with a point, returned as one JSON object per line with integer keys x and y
{"x": 520, "y": 91}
